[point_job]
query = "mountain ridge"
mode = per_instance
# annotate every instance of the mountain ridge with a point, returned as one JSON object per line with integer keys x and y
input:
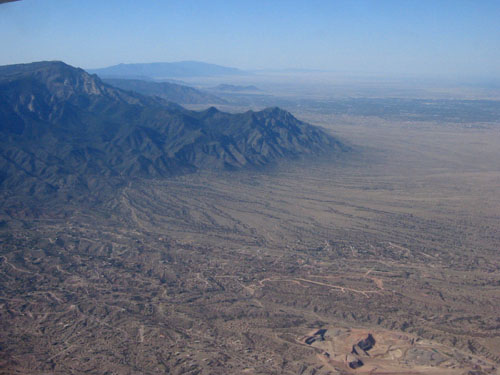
{"x": 61, "y": 125}
{"x": 166, "y": 70}
{"x": 173, "y": 92}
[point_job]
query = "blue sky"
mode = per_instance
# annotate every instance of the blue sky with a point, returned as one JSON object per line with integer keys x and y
{"x": 451, "y": 38}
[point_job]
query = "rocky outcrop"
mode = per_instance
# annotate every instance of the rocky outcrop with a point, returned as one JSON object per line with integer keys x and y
{"x": 354, "y": 362}
{"x": 367, "y": 343}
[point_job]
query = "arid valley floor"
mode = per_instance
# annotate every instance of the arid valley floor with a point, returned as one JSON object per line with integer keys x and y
{"x": 232, "y": 273}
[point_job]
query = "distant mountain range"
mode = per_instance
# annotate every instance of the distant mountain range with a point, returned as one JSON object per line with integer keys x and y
{"x": 60, "y": 125}
{"x": 170, "y": 91}
{"x": 165, "y": 70}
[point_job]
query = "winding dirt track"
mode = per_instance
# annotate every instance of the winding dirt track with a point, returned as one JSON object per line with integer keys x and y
{"x": 298, "y": 280}
{"x": 6, "y": 261}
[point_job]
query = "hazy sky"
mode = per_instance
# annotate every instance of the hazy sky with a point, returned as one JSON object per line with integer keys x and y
{"x": 456, "y": 38}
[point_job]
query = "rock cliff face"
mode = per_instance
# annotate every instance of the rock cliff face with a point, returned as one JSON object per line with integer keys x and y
{"x": 59, "y": 124}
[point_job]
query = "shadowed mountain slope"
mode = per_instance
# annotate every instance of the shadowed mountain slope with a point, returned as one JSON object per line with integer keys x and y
{"x": 169, "y": 91}
{"x": 61, "y": 125}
